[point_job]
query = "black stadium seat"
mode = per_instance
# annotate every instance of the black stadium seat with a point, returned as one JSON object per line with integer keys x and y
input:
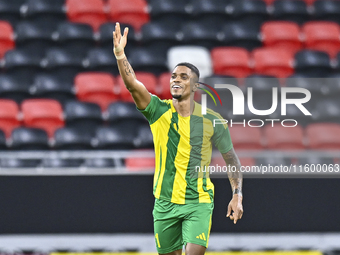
{"x": 201, "y": 34}
{"x": 102, "y": 60}
{"x": 83, "y": 115}
{"x": 29, "y": 139}
{"x": 3, "y": 145}
{"x": 119, "y": 112}
{"x": 327, "y": 110}
{"x": 19, "y": 163}
{"x": 327, "y": 10}
{"x": 52, "y": 86}
{"x": 99, "y": 162}
{"x": 14, "y": 87}
{"x": 292, "y": 10}
{"x": 314, "y": 160}
{"x": 211, "y": 12}
{"x": 332, "y": 85}
{"x": 10, "y": 10}
{"x": 115, "y": 138}
{"x": 241, "y": 35}
{"x": 312, "y": 63}
{"x": 144, "y": 137}
{"x": 148, "y": 60}
{"x": 72, "y": 139}
{"x": 44, "y": 11}
{"x": 248, "y": 11}
{"x": 61, "y": 162}
{"x": 75, "y": 37}
{"x": 159, "y": 36}
{"x": 34, "y": 36}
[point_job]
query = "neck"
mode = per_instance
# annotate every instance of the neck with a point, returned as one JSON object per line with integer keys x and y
{"x": 184, "y": 107}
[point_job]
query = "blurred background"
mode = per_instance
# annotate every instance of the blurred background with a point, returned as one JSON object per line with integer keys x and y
{"x": 76, "y": 159}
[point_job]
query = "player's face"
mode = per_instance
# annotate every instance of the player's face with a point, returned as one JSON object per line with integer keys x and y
{"x": 182, "y": 82}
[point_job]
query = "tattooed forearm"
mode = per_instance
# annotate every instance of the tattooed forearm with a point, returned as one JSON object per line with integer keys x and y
{"x": 235, "y": 175}
{"x": 128, "y": 69}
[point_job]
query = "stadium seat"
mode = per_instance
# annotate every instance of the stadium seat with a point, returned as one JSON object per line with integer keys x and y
{"x": 44, "y": 11}
{"x": 148, "y": 60}
{"x": 14, "y": 87}
{"x": 9, "y": 116}
{"x": 315, "y": 85}
{"x": 248, "y": 11}
{"x": 169, "y": 12}
{"x": 327, "y": 10}
{"x": 3, "y": 144}
{"x": 99, "y": 163}
{"x": 200, "y": 34}
{"x": 159, "y": 36}
{"x": 327, "y": 110}
{"x": 231, "y": 61}
{"x": 246, "y": 138}
{"x": 241, "y": 35}
{"x": 135, "y": 164}
{"x": 273, "y": 161}
{"x": 133, "y": 12}
{"x": 105, "y": 36}
{"x": 323, "y": 136}
{"x": 24, "y": 138}
{"x": 120, "y": 112}
{"x": 33, "y": 36}
{"x": 164, "y": 83}
{"x": 310, "y": 2}
{"x": 323, "y": 36}
{"x": 314, "y": 160}
{"x": 144, "y": 137}
{"x": 284, "y": 138}
{"x": 97, "y": 88}
{"x": 115, "y": 138}
{"x": 332, "y": 85}
{"x": 86, "y": 11}
{"x": 83, "y": 115}
{"x": 276, "y": 62}
{"x": 43, "y": 113}
{"x": 292, "y": 10}
{"x": 10, "y": 10}
{"x": 338, "y": 63}
{"x": 22, "y": 63}
{"x": 69, "y": 138}
{"x": 211, "y": 12}
{"x": 281, "y": 34}
{"x": 312, "y": 63}
{"x": 61, "y": 162}
{"x": 101, "y": 60}
{"x": 51, "y": 86}
{"x": 19, "y": 163}
{"x": 75, "y": 37}
{"x": 6, "y": 38}
{"x": 198, "y": 56}
{"x": 148, "y": 79}
{"x": 62, "y": 62}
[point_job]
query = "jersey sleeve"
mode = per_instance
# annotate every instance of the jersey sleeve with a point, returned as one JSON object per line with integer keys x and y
{"x": 221, "y": 138}
{"x": 152, "y": 110}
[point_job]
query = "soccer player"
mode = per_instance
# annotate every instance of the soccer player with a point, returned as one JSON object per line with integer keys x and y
{"x": 183, "y": 140}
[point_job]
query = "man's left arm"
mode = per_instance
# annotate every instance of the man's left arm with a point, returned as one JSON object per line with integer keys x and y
{"x": 235, "y": 208}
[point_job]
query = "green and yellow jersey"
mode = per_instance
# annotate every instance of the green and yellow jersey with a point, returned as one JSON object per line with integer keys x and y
{"x": 183, "y": 148}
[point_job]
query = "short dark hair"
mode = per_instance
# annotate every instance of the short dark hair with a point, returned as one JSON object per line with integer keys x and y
{"x": 191, "y": 67}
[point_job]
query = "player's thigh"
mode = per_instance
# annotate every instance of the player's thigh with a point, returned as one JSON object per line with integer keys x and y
{"x": 167, "y": 228}
{"x": 196, "y": 226}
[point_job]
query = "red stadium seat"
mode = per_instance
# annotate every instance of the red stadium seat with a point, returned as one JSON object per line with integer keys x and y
{"x": 133, "y": 12}
{"x": 268, "y": 2}
{"x": 6, "y": 38}
{"x": 309, "y": 2}
{"x": 323, "y": 36}
{"x": 9, "y": 116}
{"x": 96, "y": 88}
{"x": 164, "y": 83}
{"x": 140, "y": 163}
{"x": 284, "y": 138}
{"x": 232, "y": 61}
{"x": 46, "y": 114}
{"x": 86, "y": 11}
{"x": 247, "y": 138}
{"x": 281, "y": 34}
{"x": 324, "y": 136}
{"x": 276, "y": 62}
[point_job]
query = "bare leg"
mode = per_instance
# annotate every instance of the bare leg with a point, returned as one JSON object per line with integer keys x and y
{"x": 194, "y": 249}
{"x": 178, "y": 252}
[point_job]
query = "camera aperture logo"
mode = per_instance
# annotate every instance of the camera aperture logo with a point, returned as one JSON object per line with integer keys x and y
{"x": 238, "y": 104}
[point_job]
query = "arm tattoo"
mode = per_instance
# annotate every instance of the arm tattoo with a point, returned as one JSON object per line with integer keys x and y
{"x": 235, "y": 175}
{"x": 128, "y": 69}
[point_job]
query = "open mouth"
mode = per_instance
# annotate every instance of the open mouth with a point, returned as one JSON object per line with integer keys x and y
{"x": 176, "y": 87}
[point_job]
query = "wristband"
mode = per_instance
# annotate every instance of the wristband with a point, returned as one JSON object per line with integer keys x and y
{"x": 120, "y": 56}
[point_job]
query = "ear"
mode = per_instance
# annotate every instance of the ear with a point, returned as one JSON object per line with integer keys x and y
{"x": 195, "y": 88}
